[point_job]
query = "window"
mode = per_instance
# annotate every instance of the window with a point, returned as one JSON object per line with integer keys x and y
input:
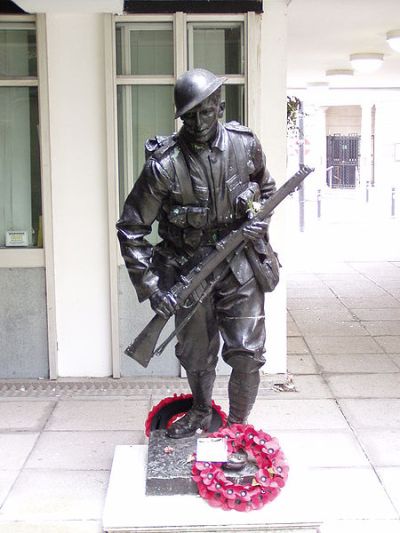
{"x": 148, "y": 55}
{"x": 20, "y": 181}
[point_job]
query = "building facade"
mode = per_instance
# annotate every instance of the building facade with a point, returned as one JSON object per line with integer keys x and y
{"x": 82, "y": 85}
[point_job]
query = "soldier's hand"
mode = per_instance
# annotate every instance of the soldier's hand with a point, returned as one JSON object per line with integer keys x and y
{"x": 256, "y": 230}
{"x": 163, "y": 303}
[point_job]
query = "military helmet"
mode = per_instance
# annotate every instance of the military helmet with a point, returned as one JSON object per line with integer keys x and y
{"x": 193, "y": 87}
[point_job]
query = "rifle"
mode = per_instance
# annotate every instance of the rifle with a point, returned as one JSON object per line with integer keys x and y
{"x": 143, "y": 348}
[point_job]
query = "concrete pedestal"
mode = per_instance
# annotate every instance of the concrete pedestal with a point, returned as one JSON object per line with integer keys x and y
{"x": 129, "y": 509}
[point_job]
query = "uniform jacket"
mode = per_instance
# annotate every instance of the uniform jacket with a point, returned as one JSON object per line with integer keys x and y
{"x": 192, "y": 191}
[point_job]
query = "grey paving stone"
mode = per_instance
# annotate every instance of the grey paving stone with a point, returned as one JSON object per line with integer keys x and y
{"x": 370, "y": 302}
{"x": 310, "y": 292}
{"x": 7, "y": 478}
{"x": 56, "y": 495}
{"x": 377, "y": 314}
{"x": 46, "y": 526}
{"x": 292, "y": 330}
{"x": 15, "y": 448}
{"x": 378, "y": 269}
{"x": 382, "y": 446}
{"x": 390, "y": 343}
{"x": 24, "y": 415}
{"x": 301, "y": 364}
{"x": 308, "y": 386}
{"x": 383, "y": 327}
{"x": 395, "y": 358}
{"x": 355, "y": 289}
{"x": 343, "y": 345}
{"x": 72, "y": 450}
{"x": 355, "y": 363}
{"x": 322, "y": 327}
{"x": 89, "y": 415}
{"x": 365, "y": 385}
{"x": 297, "y": 414}
{"x": 331, "y": 302}
{"x": 296, "y": 345}
{"x": 372, "y": 413}
{"x": 323, "y": 314}
{"x": 321, "y": 448}
{"x": 391, "y": 481}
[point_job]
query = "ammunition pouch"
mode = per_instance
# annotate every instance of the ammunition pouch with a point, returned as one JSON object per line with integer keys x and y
{"x": 189, "y": 216}
{"x": 265, "y": 265}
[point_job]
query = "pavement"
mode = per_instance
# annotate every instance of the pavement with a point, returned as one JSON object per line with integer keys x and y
{"x": 339, "y": 424}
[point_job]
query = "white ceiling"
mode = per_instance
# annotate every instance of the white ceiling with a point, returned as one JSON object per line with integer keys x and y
{"x": 323, "y": 33}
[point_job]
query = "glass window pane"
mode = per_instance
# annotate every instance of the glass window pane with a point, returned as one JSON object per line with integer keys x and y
{"x": 17, "y": 50}
{"x": 143, "y": 111}
{"x": 145, "y": 49}
{"x": 216, "y": 47}
{"x": 20, "y": 184}
{"x": 234, "y": 99}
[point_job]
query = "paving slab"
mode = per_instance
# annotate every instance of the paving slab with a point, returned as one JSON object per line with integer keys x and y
{"x": 58, "y": 495}
{"x": 310, "y": 292}
{"x": 355, "y": 363}
{"x": 294, "y": 414}
{"x": 381, "y": 445}
{"x": 301, "y": 364}
{"x": 390, "y": 343}
{"x": 390, "y": 477}
{"x": 335, "y": 328}
{"x": 348, "y": 290}
{"x": 365, "y": 385}
{"x": 343, "y": 345}
{"x": 382, "y": 327}
{"x": 7, "y": 479}
{"x": 377, "y": 314}
{"x": 72, "y": 450}
{"x": 370, "y": 302}
{"x": 24, "y": 415}
{"x": 307, "y": 386}
{"x": 292, "y": 330}
{"x": 376, "y": 269}
{"x": 296, "y": 345}
{"x": 321, "y": 448}
{"x": 15, "y": 448}
{"x": 331, "y": 302}
{"x": 374, "y": 413}
{"x": 396, "y": 359}
{"x": 101, "y": 415}
{"x": 325, "y": 314}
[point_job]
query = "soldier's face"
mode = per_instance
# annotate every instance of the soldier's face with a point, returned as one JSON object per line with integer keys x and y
{"x": 200, "y": 123}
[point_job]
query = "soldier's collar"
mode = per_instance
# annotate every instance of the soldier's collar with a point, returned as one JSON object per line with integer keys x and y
{"x": 220, "y": 140}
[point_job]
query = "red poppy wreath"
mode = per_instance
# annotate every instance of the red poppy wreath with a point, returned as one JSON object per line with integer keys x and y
{"x": 174, "y": 407}
{"x": 264, "y": 450}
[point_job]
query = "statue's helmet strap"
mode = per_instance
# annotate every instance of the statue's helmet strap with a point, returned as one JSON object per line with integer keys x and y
{"x": 193, "y": 87}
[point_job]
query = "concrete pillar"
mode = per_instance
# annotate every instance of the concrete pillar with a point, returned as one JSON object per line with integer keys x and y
{"x": 273, "y": 135}
{"x": 79, "y": 192}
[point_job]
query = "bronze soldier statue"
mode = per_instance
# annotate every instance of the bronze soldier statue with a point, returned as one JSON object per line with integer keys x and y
{"x": 198, "y": 184}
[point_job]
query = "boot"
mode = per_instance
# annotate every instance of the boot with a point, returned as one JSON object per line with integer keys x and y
{"x": 199, "y": 416}
{"x": 242, "y": 390}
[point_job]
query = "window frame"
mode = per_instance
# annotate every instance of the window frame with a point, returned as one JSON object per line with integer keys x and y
{"x": 39, "y": 257}
{"x": 24, "y": 256}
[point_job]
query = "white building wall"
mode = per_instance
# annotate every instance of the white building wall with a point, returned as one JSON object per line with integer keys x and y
{"x": 79, "y": 189}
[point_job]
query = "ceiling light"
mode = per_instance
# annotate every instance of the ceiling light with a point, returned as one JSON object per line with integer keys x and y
{"x": 366, "y": 63}
{"x": 339, "y": 73}
{"x": 393, "y": 39}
